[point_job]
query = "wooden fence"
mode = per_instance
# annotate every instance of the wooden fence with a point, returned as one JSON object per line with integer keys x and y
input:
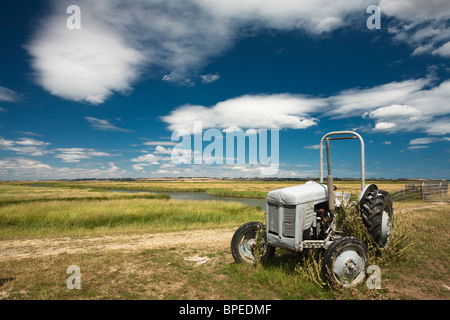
{"x": 436, "y": 191}
{"x": 410, "y": 191}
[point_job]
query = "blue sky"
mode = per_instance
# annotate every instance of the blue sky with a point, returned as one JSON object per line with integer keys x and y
{"x": 103, "y": 101}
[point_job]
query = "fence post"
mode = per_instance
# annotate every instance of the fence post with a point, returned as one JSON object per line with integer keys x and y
{"x": 423, "y": 192}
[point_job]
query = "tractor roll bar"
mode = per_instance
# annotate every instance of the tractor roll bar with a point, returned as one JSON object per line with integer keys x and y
{"x": 354, "y": 136}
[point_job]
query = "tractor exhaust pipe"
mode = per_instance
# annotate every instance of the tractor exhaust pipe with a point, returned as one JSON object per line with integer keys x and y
{"x": 330, "y": 182}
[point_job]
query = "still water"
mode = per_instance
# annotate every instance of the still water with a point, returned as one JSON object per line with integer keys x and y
{"x": 204, "y": 196}
{"x": 195, "y": 196}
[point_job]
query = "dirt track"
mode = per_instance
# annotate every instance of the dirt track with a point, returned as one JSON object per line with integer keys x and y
{"x": 19, "y": 249}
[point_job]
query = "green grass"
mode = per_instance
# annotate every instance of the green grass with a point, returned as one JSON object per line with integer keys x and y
{"x": 5, "y": 202}
{"x": 88, "y": 217}
{"x": 237, "y": 194}
{"x": 12, "y": 193}
{"x": 224, "y": 188}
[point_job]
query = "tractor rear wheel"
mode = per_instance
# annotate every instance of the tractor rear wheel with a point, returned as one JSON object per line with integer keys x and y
{"x": 245, "y": 243}
{"x": 376, "y": 212}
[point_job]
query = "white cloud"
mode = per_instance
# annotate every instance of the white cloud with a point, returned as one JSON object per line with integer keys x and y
{"x": 139, "y": 166}
{"x": 160, "y": 143}
{"x": 209, "y": 78}
{"x": 27, "y": 146}
{"x": 76, "y": 154}
{"x": 314, "y": 16}
{"x": 30, "y": 169}
{"x": 249, "y": 111}
{"x": 114, "y": 44}
{"x": 417, "y": 147}
{"x": 26, "y": 166}
{"x": 438, "y": 127}
{"x": 30, "y": 142}
{"x": 395, "y": 112}
{"x": 162, "y": 150}
{"x": 416, "y": 10}
{"x": 88, "y": 64}
{"x": 422, "y": 49}
{"x": 410, "y": 105}
{"x": 148, "y": 158}
{"x": 362, "y": 99}
{"x": 443, "y": 51}
{"x": 423, "y": 141}
{"x": 384, "y": 126}
{"x": 313, "y": 147}
{"x": 104, "y": 125}
{"x": 421, "y": 24}
{"x": 396, "y": 117}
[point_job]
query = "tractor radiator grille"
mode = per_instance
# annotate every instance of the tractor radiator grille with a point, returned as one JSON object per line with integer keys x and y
{"x": 272, "y": 218}
{"x": 288, "y": 220}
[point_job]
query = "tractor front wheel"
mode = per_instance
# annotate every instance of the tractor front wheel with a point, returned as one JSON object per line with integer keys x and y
{"x": 248, "y": 241}
{"x": 344, "y": 262}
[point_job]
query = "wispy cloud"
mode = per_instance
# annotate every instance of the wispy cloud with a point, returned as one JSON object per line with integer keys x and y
{"x": 27, "y": 146}
{"x": 104, "y": 125}
{"x": 422, "y": 25}
{"x": 160, "y": 143}
{"x": 76, "y": 154}
{"x": 8, "y": 95}
{"x": 31, "y": 169}
{"x": 209, "y": 78}
{"x": 417, "y": 147}
{"x": 29, "y": 133}
{"x": 313, "y": 147}
{"x": 421, "y": 141}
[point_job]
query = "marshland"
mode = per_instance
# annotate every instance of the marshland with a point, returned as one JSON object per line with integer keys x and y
{"x": 132, "y": 240}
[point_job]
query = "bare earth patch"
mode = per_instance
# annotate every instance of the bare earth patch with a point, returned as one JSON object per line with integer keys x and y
{"x": 34, "y": 248}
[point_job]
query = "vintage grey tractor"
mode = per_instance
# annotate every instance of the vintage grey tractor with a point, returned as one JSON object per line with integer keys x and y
{"x": 304, "y": 217}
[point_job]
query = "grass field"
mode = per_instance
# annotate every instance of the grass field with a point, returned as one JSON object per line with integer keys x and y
{"x": 146, "y": 246}
{"x": 235, "y": 188}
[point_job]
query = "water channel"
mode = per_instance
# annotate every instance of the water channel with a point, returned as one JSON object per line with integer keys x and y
{"x": 254, "y": 202}
{"x": 204, "y": 196}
